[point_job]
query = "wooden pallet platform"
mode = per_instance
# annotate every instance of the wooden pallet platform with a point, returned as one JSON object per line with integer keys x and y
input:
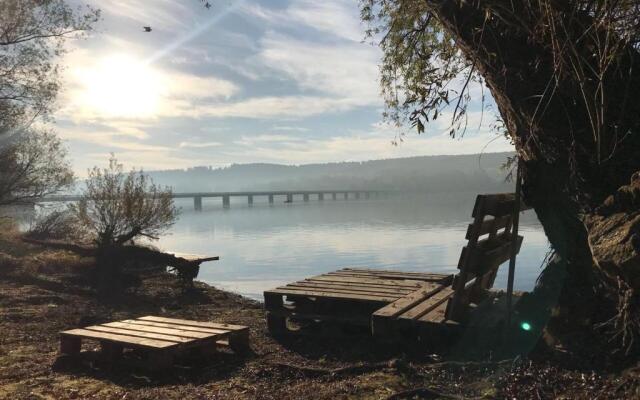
{"x": 162, "y": 339}
{"x": 349, "y": 295}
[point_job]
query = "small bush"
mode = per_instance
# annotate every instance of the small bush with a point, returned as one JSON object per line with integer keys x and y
{"x": 56, "y": 225}
{"x": 118, "y": 207}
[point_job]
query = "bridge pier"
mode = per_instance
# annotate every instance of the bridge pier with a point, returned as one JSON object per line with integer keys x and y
{"x": 197, "y": 203}
{"x": 250, "y": 200}
{"x": 367, "y": 195}
{"x": 305, "y": 197}
{"x": 357, "y": 195}
{"x": 270, "y": 199}
{"x": 346, "y": 195}
{"x": 334, "y": 196}
{"x": 320, "y": 196}
{"x": 289, "y": 198}
{"x": 226, "y": 201}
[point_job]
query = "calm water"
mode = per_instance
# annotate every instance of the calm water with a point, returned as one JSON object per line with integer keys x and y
{"x": 264, "y": 246}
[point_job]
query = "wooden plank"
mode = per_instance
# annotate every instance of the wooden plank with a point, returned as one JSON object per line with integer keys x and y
{"x": 497, "y": 205}
{"x": 382, "y": 282}
{"x": 482, "y": 246}
{"x": 341, "y": 296}
{"x": 356, "y": 289}
{"x": 360, "y": 285}
{"x": 437, "y": 315}
{"x": 400, "y": 274}
{"x": 392, "y": 277}
{"x": 139, "y": 334}
{"x": 428, "y": 304}
{"x": 339, "y": 290}
{"x": 486, "y": 257}
{"x": 182, "y": 327}
{"x": 130, "y": 340}
{"x": 161, "y": 330}
{"x": 386, "y": 271}
{"x": 487, "y": 226}
{"x": 187, "y": 322}
{"x": 347, "y": 292}
{"x": 403, "y": 304}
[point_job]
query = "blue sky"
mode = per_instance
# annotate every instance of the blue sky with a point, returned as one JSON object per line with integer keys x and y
{"x": 283, "y": 81}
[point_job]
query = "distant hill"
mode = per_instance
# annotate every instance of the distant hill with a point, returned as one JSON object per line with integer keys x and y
{"x": 434, "y": 174}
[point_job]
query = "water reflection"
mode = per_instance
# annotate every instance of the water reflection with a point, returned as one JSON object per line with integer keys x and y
{"x": 264, "y": 246}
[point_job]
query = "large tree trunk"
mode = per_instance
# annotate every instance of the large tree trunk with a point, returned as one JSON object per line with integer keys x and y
{"x": 568, "y": 172}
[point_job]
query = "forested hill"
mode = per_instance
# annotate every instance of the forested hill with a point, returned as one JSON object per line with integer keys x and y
{"x": 468, "y": 173}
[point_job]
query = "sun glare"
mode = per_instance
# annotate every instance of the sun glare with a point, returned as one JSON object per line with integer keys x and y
{"x": 121, "y": 86}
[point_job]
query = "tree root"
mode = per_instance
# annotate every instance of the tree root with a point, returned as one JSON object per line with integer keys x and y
{"x": 624, "y": 327}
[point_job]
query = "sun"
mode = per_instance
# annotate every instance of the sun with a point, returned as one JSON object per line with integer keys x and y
{"x": 121, "y": 86}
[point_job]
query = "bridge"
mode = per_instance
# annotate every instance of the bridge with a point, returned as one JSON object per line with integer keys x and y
{"x": 288, "y": 195}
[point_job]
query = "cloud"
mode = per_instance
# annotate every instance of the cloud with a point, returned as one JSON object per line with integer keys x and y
{"x": 199, "y": 145}
{"x": 287, "y": 128}
{"x": 348, "y": 71}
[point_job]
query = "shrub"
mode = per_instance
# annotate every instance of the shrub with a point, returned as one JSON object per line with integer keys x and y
{"x": 118, "y": 207}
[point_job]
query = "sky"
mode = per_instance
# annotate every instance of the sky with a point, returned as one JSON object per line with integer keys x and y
{"x": 278, "y": 81}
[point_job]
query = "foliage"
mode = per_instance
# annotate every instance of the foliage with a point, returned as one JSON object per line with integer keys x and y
{"x": 56, "y": 225}
{"x": 33, "y": 166}
{"x": 424, "y": 59}
{"x": 118, "y": 207}
{"x": 32, "y": 37}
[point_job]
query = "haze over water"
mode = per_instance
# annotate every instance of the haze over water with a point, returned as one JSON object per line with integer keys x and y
{"x": 263, "y": 246}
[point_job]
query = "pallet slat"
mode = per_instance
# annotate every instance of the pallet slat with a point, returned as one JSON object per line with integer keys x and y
{"x": 350, "y": 289}
{"x": 355, "y": 279}
{"x": 171, "y": 326}
{"x": 130, "y": 340}
{"x": 428, "y": 304}
{"x": 412, "y": 276}
{"x": 159, "y": 330}
{"x": 338, "y": 290}
{"x": 186, "y": 322}
{"x": 487, "y": 226}
{"x": 139, "y": 334}
{"x": 398, "y": 307}
{"x": 313, "y": 293}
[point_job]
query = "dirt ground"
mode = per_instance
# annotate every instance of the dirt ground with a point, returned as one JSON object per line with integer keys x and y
{"x": 44, "y": 292}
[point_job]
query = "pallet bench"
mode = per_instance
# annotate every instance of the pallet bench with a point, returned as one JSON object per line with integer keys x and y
{"x": 161, "y": 339}
{"x": 347, "y": 295}
{"x": 391, "y": 302}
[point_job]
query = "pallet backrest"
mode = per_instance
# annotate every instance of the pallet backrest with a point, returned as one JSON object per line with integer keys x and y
{"x": 489, "y": 240}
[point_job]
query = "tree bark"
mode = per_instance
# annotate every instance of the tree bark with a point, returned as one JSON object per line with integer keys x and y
{"x": 568, "y": 172}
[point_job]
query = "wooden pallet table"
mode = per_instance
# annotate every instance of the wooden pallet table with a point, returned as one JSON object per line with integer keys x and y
{"x": 349, "y": 296}
{"x": 161, "y": 339}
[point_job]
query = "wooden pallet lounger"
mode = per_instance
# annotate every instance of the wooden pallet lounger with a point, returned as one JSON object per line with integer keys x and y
{"x": 391, "y": 301}
{"x": 162, "y": 339}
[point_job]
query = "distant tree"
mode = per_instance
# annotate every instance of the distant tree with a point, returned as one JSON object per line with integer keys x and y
{"x": 32, "y": 166}
{"x": 118, "y": 207}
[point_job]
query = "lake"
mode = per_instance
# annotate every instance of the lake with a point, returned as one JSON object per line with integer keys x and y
{"x": 263, "y": 246}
